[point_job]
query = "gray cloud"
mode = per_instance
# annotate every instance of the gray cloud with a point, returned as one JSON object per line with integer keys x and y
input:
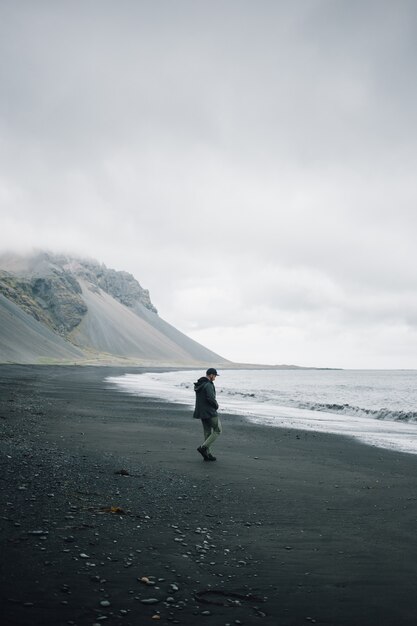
{"x": 254, "y": 166}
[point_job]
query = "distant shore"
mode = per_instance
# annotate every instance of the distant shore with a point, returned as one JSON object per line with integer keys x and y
{"x": 101, "y": 489}
{"x": 126, "y": 363}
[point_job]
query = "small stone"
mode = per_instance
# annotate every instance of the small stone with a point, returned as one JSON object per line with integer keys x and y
{"x": 150, "y": 601}
{"x": 205, "y": 612}
{"x": 104, "y": 603}
{"x": 84, "y": 556}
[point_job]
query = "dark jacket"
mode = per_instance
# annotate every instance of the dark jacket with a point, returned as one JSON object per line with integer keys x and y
{"x": 205, "y": 399}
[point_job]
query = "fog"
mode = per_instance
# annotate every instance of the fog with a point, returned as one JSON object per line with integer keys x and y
{"x": 253, "y": 165}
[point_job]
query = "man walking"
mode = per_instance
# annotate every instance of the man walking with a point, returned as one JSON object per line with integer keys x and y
{"x": 206, "y": 410}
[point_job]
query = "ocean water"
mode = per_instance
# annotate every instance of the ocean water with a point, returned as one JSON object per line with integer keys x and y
{"x": 378, "y": 407}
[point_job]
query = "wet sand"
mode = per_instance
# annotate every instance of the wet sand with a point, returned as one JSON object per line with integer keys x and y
{"x": 286, "y": 528}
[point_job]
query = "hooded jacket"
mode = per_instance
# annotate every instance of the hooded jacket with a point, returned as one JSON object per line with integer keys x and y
{"x": 205, "y": 399}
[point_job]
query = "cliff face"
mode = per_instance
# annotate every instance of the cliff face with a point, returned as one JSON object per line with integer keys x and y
{"x": 120, "y": 285}
{"x": 98, "y": 312}
{"x": 54, "y": 300}
{"x": 48, "y": 289}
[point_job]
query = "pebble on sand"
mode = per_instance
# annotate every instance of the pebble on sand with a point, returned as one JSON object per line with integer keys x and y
{"x": 150, "y": 601}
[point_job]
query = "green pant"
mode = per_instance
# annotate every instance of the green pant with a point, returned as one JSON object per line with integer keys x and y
{"x": 212, "y": 429}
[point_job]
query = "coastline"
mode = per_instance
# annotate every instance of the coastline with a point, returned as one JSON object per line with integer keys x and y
{"x": 287, "y": 526}
{"x": 338, "y": 404}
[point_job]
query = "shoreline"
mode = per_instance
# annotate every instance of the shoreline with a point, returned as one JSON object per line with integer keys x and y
{"x": 382, "y": 433}
{"x": 287, "y": 526}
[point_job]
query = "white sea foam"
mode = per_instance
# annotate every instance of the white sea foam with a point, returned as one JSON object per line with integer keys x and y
{"x": 376, "y": 407}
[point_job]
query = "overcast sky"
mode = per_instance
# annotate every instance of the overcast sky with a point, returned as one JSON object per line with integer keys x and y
{"x": 252, "y": 163}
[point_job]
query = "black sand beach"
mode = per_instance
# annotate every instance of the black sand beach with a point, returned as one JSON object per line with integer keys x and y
{"x": 286, "y": 528}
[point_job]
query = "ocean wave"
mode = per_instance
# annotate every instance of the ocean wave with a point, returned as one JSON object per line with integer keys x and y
{"x": 262, "y": 396}
{"x": 347, "y": 409}
{"x": 332, "y": 407}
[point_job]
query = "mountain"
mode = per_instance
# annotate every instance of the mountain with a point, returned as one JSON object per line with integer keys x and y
{"x": 55, "y": 308}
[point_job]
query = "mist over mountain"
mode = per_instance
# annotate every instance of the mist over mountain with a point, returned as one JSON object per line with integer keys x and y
{"x": 55, "y": 308}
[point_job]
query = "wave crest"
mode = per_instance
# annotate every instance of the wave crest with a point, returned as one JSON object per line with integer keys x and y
{"x": 340, "y": 409}
{"x": 348, "y": 409}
